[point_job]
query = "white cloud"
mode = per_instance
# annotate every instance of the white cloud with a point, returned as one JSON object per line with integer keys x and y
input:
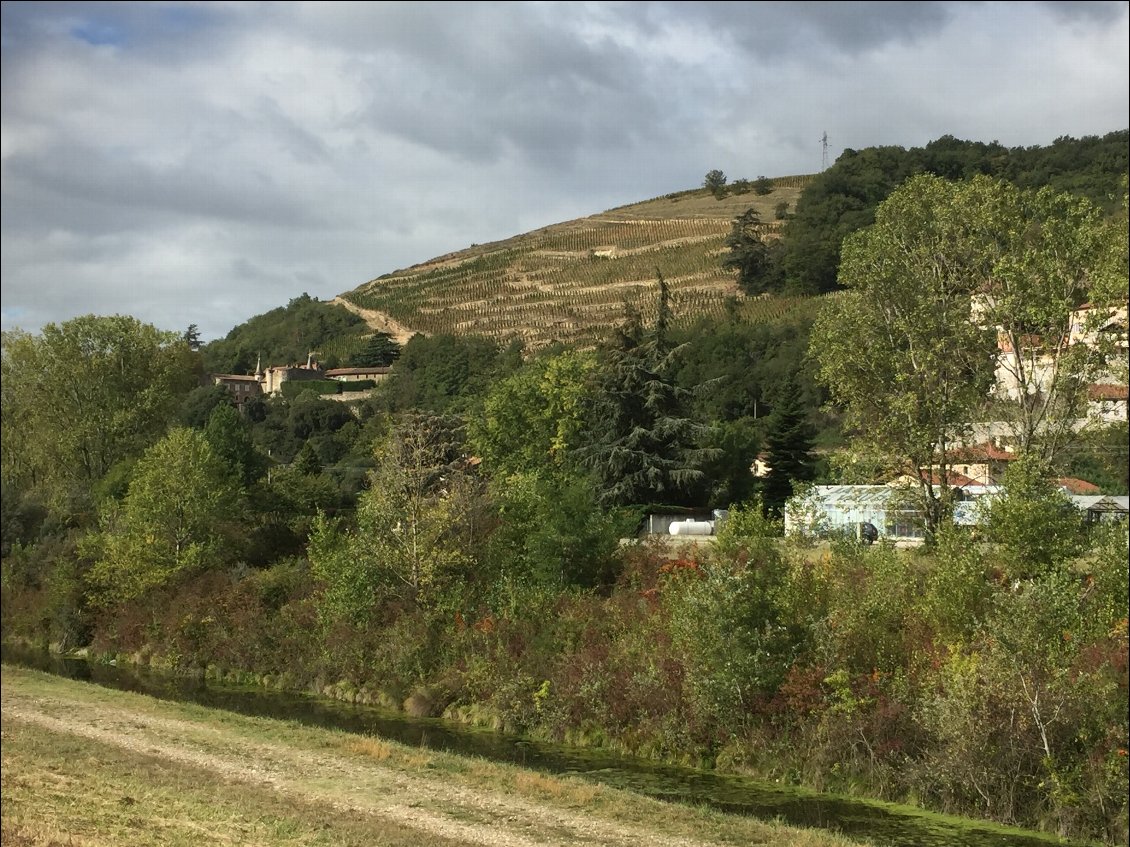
{"x": 204, "y": 163}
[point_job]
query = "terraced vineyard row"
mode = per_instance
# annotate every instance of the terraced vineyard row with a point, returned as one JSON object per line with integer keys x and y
{"x": 570, "y": 282}
{"x": 565, "y": 285}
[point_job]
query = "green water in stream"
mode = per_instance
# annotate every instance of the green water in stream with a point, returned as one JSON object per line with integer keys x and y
{"x": 885, "y": 824}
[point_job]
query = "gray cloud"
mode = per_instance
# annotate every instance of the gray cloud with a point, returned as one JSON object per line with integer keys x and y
{"x": 204, "y": 162}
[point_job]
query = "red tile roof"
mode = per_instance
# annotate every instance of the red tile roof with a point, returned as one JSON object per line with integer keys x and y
{"x": 1078, "y": 486}
{"x": 956, "y": 480}
{"x": 983, "y": 452}
{"x": 1105, "y": 391}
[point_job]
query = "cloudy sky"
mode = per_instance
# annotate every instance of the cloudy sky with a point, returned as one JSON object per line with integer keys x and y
{"x": 202, "y": 163}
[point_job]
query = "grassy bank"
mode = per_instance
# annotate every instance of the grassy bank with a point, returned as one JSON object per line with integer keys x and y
{"x": 84, "y": 765}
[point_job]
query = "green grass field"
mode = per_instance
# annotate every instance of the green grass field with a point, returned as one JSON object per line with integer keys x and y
{"x": 84, "y": 765}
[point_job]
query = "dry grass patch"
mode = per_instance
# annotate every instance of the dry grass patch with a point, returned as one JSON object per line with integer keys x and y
{"x": 374, "y": 748}
{"x": 540, "y": 785}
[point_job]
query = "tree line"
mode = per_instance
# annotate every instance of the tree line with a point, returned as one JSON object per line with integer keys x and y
{"x": 843, "y": 199}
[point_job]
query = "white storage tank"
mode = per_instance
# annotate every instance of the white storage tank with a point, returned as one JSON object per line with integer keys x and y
{"x": 692, "y": 527}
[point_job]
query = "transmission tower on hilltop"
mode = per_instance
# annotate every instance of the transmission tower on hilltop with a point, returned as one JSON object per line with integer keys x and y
{"x": 824, "y": 156}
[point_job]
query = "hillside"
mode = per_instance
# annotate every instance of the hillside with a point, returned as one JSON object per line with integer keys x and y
{"x": 570, "y": 281}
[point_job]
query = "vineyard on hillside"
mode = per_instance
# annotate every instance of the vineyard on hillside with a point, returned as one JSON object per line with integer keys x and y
{"x": 570, "y": 282}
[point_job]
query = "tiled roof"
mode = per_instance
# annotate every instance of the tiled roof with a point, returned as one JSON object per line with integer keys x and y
{"x": 981, "y": 452}
{"x": 239, "y": 377}
{"x": 356, "y": 371}
{"x": 1077, "y": 486}
{"x": 956, "y": 479}
{"x": 1106, "y": 391}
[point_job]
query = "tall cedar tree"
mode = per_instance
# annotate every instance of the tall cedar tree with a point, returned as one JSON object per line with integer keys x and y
{"x": 788, "y": 449}
{"x": 645, "y": 448}
{"x": 749, "y": 255}
{"x": 380, "y": 351}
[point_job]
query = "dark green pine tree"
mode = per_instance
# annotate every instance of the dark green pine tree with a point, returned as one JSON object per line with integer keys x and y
{"x": 788, "y": 449}
{"x": 749, "y": 255}
{"x": 645, "y": 447}
{"x": 380, "y": 351}
{"x": 307, "y": 462}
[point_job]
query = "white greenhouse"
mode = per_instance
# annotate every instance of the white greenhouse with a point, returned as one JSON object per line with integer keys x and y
{"x": 830, "y": 509}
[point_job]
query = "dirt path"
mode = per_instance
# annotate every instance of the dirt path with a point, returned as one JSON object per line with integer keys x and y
{"x": 378, "y": 321}
{"x": 347, "y": 777}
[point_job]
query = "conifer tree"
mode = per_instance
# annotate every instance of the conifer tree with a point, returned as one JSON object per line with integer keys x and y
{"x": 380, "y": 351}
{"x": 749, "y": 255}
{"x": 788, "y": 444}
{"x": 645, "y": 446}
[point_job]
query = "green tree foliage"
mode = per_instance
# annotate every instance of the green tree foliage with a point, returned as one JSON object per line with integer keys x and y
{"x": 309, "y": 415}
{"x": 840, "y": 201}
{"x": 534, "y": 418}
{"x": 745, "y": 364}
{"x": 444, "y": 373}
{"x": 1031, "y": 713}
{"x": 287, "y": 425}
{"x": 762, "y": 186}
{"x": 900, "y": 351}
{"x": 1112, "y": 285}
{"x": 283, "y": 336}
{"x": 1044, "y": 255}
{"x": 1033, "y": 525}
{"x": 715, "y": 183}
{"x": 419, "y": 526}
{"x": 169, "y": 524}
{"x": 644, "y": 447}
{"x": 85, "y": 394}
{"x": 726, "y": 475}
{"x": 21, "y": 518}
{"x": 307, "y": 462}
{"x": 843, "y": 198}
{"x": 229, "y": 435}
{"x": 747, "y": 528}
{"x": 192, "y": 337}
{"x": 199, "y": 404}
{"x": 728, "y": 621}
{"x": 551, "y": 533}
{"x": 749, "y": 254}
{"x": 788, "y": 447}
{"x": 380, "y": 351}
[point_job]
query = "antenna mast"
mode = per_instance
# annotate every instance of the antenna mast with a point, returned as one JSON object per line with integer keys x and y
{"x": 824, "y": 157}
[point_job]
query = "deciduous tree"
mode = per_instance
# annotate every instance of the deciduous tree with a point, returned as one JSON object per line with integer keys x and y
{"x": 229, "y": 435}
{"x": 533, "y": 419}
{"x": 900, "y": 350}
{"x": 169, "y": 524}
{"x": 417, "y": 526}
{"x": 83, "y": 395}
{"x": 1045, "y": 255}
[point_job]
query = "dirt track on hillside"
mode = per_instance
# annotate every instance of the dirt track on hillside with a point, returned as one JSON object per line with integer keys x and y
{"x": 342, "y": 777}
{"x": 377, "y": 321}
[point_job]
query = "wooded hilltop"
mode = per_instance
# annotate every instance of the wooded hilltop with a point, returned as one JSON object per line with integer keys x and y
{"x": 467, "y": 539}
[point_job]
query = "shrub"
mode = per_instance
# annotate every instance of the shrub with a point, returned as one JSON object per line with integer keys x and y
{"x": 292, "y": 388}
